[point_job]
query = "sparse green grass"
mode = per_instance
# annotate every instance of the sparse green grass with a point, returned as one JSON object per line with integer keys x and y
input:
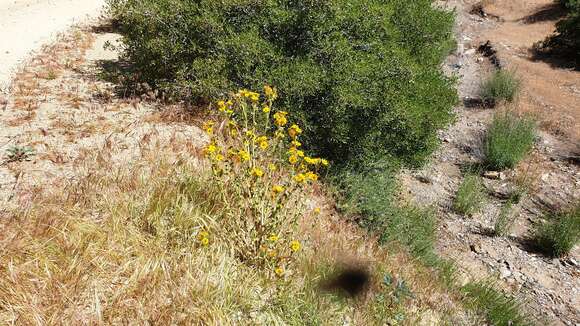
{"x": 19, "y": 154}
{"x": 470, "y": 197}
{"x": 504, "y": 220}
{"x": 508, "y": 140}
{"x": 502, "y": 86}
{"x": 560, "y": 233}
{"x": 498, "y": 308}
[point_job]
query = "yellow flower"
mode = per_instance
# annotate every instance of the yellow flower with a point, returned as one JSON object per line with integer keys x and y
{"x": 272, "y": 167}
{"x": 273, "y": 237}
{"x": 255, "y": 97}
{"x": 221, "y": 106}
{"x": 296, "y": 143}
{"x": 250, "y": 134}
{"x": 270, "y": 92}
{"x": 204, "y": 242}
{"x": 296, "y": 151}
{"x": 279, "y": 271}
{"x": 277, "y": 189}
{"x": 324, "y": 162}
{"x": 243, "y": 155}
{"x": 295, "y": 245}
{"x": 280, "y": 118}
{"x": 211, "y": 148}
{"x": 208, "y": 127}
{"x": 257, "y": 172}
{"x": 312, "y": 176}
{"x": 219, "y": 157}
{"x": 293, "y": 159}
{"x": 262, "y": 142}
{"x": 202, "y": 234}
{"x": 317, "y": 210}
{"x": 294, "y": 131}
{"x": 310, "y": 160}
{"x": 300, "y": 178}
{"x": 266, "y": 109}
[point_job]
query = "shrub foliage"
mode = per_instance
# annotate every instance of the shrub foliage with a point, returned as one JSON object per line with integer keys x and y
{"x": 362, "y": 75}
{"x": 566, "y": 40}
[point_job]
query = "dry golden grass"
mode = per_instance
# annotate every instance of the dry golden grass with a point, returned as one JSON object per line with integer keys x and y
{"x": 84, "y": 254}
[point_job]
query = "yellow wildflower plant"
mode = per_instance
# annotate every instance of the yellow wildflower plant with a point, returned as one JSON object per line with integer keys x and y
{"x": 277, "y": 189}
{"x": 295, "y": 245}
{"x": 294, "y": 131}
{"x": 273, "y": 237}
{"x": 280, "y": 118}
{"x": 279, "y": 271}
{"x": 263, "y": 177}
{"x": 257, "y": 172}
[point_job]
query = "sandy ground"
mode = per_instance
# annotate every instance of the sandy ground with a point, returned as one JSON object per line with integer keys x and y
{"x": 548, "y": 287}
{"x": 25, "y": 25}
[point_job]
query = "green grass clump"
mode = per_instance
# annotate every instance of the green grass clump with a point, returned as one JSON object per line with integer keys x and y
{"x": 362, "y": 75}
{"x": 508, "y": 139}
{"x": 470, "y": 197}
{"x": 369, "y": 194}
{"x": 504, "y": 220}
{"x": 501, "y": 86}
{"x": 498, "y": 308}
{"x": 560, "y": 233}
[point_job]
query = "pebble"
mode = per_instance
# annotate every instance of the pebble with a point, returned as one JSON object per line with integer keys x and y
{"x": 493, "y": 175}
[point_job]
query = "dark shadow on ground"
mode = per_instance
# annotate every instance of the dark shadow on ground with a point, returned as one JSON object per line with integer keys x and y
{"x": 549, "y": 12}
{"x": 555, "y": 57}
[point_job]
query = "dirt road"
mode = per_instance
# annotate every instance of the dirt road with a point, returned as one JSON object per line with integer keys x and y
{"x": 25, "y": 25}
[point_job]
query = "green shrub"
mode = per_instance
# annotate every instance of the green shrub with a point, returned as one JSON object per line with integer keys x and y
{"x": 501, "y": 86}
{"x": 498, "y": 308}
{"x": 362, "y": 75}
{"x": 560, "y": 233}
{"x": 508, "y": 139}
{"x": 470, "y": 197}
{"x": 504, "y": 220}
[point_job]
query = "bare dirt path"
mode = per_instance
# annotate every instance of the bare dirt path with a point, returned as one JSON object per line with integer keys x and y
{"x": 66, "y": 121}
{"x": 25, "y": 25}
{"x": 549, "y": 287}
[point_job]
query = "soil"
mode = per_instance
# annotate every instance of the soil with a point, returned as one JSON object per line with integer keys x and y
{"x": 61, "y": 108}
{"x": 549, "y": 287}
{"x": 25, "y": 25}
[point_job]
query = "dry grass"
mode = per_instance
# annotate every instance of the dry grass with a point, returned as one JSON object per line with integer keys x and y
{"x": 83, "y": 255}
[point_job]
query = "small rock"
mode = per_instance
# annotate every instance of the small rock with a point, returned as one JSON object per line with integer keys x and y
{"x": 504, "y": 272}
{"x": 424, "y": 179}
{"x": 569, "y": 262}
{"x": 492, "y": 175}
{"x": 475, "y": 247}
